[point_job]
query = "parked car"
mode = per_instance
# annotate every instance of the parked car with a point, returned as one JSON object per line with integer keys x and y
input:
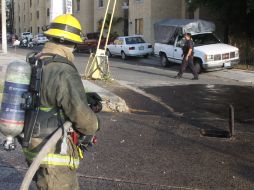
{"x": 40, "y": 39}
{"x": 28, "y": 35}
{"x": 129, "y": 46}
{"x": 91, "y": 42}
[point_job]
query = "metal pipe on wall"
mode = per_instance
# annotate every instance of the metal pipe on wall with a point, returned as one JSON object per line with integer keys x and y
{"x": 4, "y": 37}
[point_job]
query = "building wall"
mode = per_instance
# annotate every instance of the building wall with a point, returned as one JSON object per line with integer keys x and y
{"x": 151, "y": 12}
{"x": 90, "y": 13}
{"x": 85, "y": 15}
{"x": 1, "y": 18}
{"x": 99, "y": 13}
{"x": 166, "y": 9}
{"x": 25, "y": 16}
{"x": 140, "y": 10}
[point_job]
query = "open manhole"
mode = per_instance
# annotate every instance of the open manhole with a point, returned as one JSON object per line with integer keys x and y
{"x": 222, "y": 133}
{"x": 215, "y": 133}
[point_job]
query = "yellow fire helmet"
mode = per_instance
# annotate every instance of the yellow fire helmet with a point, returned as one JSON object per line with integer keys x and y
{"x": 65, "y": 27}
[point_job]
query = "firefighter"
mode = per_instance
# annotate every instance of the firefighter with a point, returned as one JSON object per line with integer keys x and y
{"x": 62, "y": 98}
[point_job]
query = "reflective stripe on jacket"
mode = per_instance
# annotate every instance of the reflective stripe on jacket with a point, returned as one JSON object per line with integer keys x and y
{"x": 54, "y": 159}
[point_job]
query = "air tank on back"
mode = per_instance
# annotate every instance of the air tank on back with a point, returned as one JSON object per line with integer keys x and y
{"x": 12, "y": 116}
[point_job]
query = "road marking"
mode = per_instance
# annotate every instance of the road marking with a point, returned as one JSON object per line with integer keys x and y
{"x": 139, "y": 111}
{"x": 136, "y": 183}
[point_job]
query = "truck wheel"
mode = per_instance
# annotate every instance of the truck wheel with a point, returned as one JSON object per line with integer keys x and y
{"x": 123, "y": 55}
{"x": 164, "y": 60}
{"x": 108, "y": 53}
{"x": 198, "y": 66}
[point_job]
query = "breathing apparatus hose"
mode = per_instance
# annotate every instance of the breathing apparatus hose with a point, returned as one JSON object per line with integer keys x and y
{"x": 42, "y": 154}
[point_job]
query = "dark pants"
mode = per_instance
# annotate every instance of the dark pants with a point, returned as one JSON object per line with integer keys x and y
{"x": 188, "y": 63}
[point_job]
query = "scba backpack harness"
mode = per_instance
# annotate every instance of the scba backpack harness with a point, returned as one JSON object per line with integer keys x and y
{"x": 33, "y": 107}
{"x": 32, "y": 97}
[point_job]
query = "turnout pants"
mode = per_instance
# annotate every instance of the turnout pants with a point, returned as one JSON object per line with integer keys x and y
{"x": 56, "y": 178}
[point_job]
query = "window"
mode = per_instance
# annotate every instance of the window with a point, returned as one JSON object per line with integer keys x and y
{"x": 100, "y": 3}
{"x": 37, "y": 14}
{"x": 30, "y": 3}
{"x": 31, "y": 29}
{"x": 38, "y": 29}
{"x": 180, "y": 41}
{"x": 134, "y": 40}
{"x": 48, "y": 12}
{"x": 139, "y": 26}
{"x": 120, "y": 41}
{"x": 78, "y": 5}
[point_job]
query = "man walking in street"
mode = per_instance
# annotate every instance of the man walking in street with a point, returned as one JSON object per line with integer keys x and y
{"x": 188, "y": 52}
{"x": 62, "y": 98}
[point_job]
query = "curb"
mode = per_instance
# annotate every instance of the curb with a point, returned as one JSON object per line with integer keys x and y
{"x": 110, "y": 102}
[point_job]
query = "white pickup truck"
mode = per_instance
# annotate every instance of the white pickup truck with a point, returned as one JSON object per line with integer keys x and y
{"x": 209, "y": 52}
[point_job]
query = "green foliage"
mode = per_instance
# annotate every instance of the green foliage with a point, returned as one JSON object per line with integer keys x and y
{"x": 115, "y": 21}
{"x": 237, "y": 15}
{"x": 237, "y": 18}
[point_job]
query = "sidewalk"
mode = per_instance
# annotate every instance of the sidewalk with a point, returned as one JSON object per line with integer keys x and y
{"x": 111, "y": 102}
{"x": 235, "y": 74}
{"x": 239, "y": 75}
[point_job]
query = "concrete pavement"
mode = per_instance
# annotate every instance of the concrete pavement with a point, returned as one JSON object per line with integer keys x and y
{"x": 111, "y": 102}
{"x": 147, "y": 152}
{"x": 235, "y": 74}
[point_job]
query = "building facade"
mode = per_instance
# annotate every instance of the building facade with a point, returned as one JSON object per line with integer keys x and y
{"x": 143, "y": 14}
{"x": 131, "y": 16}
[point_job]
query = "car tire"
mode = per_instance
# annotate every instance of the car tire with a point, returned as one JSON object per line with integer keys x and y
{"x": 108, "y": 53}
{"x": 198, "y": 66}
{"x": 123, "y": 55}
{"x": 164, "y": 60}
{"x": 146, "y": 56}
{"x": 92, "y": 50}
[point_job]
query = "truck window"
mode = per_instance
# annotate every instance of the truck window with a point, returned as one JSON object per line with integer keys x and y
{"x": 180, "y": 41}
{"x": 171, "y": 41}
{"x": 205, "y": 39}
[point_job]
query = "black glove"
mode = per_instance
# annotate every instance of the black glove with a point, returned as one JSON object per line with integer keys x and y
{"x": 94, "y": 101}
{"x": 86, "y": 142}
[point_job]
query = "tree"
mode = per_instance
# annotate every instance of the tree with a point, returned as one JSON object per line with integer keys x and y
{"x": 115, "y": 21}
{"x": 236, "y": 15}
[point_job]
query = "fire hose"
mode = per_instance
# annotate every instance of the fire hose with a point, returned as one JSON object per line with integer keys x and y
{"x": 95, "y": 104}
{"x": 42, "y": 154}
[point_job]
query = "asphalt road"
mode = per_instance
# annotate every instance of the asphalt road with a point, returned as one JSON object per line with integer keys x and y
{"x": 159, "y": 145}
